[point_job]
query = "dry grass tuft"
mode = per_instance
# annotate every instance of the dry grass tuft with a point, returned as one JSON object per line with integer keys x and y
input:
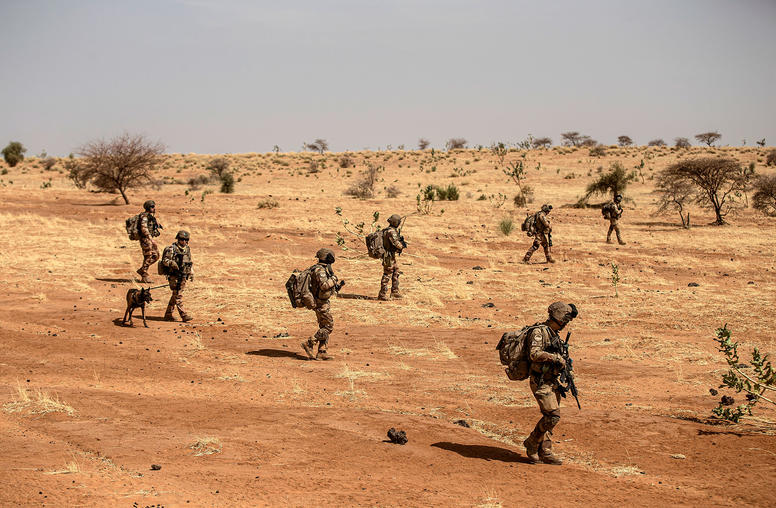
{"x": 39, "y": 402}
{"x": 206, "y": 446}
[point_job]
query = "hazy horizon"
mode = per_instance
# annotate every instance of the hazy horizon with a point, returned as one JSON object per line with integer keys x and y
{"x": 237, "y": 76}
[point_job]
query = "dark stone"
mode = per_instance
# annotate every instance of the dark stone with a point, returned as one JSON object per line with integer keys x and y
{"x": 478, "y": 267}
{"x": 155, "y": 467}
{"x": 727, "y": 400}
{"x": 693, "y": 285}
{"x": 462, "y": 423}
{"x": 713, "y": 392}
{"x": 397, "y": 437}
{"x": 489, "y": 305}
{"x": 281, "y": 334}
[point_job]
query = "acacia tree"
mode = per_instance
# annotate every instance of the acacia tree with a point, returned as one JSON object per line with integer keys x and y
{"x": 571, "y": 138}
{"x": 423, "y": 143}
{"x": 544, "y": 142}
{"x": 708, "y": 137}
{"x": 118, "y": 164}
{"x": 454, "y": 143}
{"x": 681, "y": 143}
{"x": 657, "y": 142}
{"x": 614, "y": 181}
{"x": 319, "y": 145}
{"x": 717, "y": 180}
{"x": 764, "y": 197}
{"x": 13, "y": 153}
{"x": 675, "y": 193}
{"x": 624, "y": 141}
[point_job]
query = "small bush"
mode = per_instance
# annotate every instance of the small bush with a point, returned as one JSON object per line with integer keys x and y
{"x": 197, "y": 181}
{"x": 598, "y": 151}
{"x": 268, "y": 203}
{"x": 423, "y": 143}
{"x": 764, "y": 198}
{"x": 770, "y": 159}
{"x": 656, "y": 142}
{"x": 455, "y": 143}
{"x": 506, "y": 225}
{"x": 392, "y": 191}
{"x": 13, "y": 153}
{"x": 365, "y": 188}
{"x": 49, "y": 163}
{"x": 227, "y": 183}
{"x": 682, "y": 143}
{"x": 218, "y": 167}
{"x": 346, "y": 161}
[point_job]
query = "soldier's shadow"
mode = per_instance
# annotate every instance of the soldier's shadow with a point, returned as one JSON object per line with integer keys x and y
{"x": 277, "y": 353}
{"x": 353, "y": 296}
{"x": 482, "y": 452}
{"x": 137, "y": 319}
{"x": 114, "y": 280}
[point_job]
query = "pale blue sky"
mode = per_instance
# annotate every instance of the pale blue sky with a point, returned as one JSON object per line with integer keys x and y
{"x": 212, "y": 76}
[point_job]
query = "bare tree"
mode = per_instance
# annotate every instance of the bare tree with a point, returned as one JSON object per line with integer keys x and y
{"x": 681, "y": 143}
{"x": 544, "y": 142}
{"x": 423, "y": 143}
{"x": 675, "y": 193}
{"x": 717, "y": 180}
{"x": 118, "y": 164}
{"x": 454, "y": 143}
{"x": 624, "y": 141}
{"x": 657, "y": 142}
{"x": 587, "y": 141}
{"x": 708, "y": 137}
{"x": 764, "y": 197}
{"x": 571, "y": 138}
{"x": 319, "y": 145}
{"x": 761, "y": 143}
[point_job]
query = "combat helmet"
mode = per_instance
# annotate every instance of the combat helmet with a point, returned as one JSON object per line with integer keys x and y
{"x": 562, "y": 313}
{"x": 148, "y": 205}
{"x": 617, "y": 198}
{"x": 546, "y": 208}
{"x": 394, "y": 220}
{"x": 182, "y": 235}
{"x": 325, "y": 255}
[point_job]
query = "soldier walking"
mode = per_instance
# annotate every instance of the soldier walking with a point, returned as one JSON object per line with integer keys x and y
{"x": 323, "y": 284}
{"x": 613, "y": 211}
{"x": 546, "y": 367}
{"x": 176, "y": 265}
{"x": 393, "y": 243}
{"x": 543, "y": 233}
{"x": 148, "y": 229}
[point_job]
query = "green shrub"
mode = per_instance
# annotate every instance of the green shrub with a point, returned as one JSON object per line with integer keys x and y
{"x": 506, "y": 225}
{"x": 268, "y": 203}
{"x": 227, "y": 183}
{"x": 14, "y": 153}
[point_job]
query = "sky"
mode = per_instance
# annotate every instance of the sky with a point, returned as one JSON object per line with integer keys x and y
{"x": 234, "y": 76}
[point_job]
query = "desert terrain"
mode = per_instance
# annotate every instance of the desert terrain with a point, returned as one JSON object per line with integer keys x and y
{"x": 230, "y": 409}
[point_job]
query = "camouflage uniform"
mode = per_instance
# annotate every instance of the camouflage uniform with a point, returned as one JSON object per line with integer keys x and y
{"x": 546, "y": 367}
{"x": 614, "y": 217}
{"x": 177, "y": 262}
{"x": 543, "y": 228}
{"x": 148, "y": 230}
{"x": 323, "y": 284}
{"x": 393, "y": 245}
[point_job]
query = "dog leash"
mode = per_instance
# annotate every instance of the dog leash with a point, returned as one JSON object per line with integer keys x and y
{"x": 157, "y": 287}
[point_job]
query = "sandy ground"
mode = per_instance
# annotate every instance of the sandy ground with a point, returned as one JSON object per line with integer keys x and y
{"x": 89, "y": 405}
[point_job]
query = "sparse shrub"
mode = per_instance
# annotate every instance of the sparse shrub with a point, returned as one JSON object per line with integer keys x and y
{"x": 764, "y": 198}
{"x": 319, "y": 145}
{"x": 49, "y": 163}
{"x": 392, "y": 191}
{"x": 624, "y": 141}
{"x": 506, "y": 225}
{"x": 525, "y": 196}
{"x": 708, "y": 137}
{"x": 615, "y": 278}
{"x": 13, "y": 153}
{"x": 682, "y": 143}
{"x": 268, "y": 203}
{"x": 117, "y": 165}
{"x": 196, "y": 182}
{"x": 365, "y": 188}
{"x": 761, "y": 143}
{"x": 598, "y": 151}
{"x": 227, "y": 183}
{"x": 449, "y": 193}
{"x": 346, "y": 161}
{"x": 423, "y": 143}
{"x": 543, "y": 142}
{"x": 4, "y": 171}
{"x": 587, "y": 142}
{"x": 313, "y": 167}
{"x": 483, "y": 197}
{"x": 425, "y": 199}
{"x": 770, "y": 159}
{"x": 218, "y": 166}
{"x": 571, "y": 138}
{"x": 759, "y": 378}
{"x": 656, "y": 142}
{"x": 46, "y": 185}
{"x": 674, "y": 193}
{"x": 455, "y": 143}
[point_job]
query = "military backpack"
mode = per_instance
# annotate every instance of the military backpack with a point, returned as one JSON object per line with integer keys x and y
{"x": 299, "y": 289}
{"x": 514, "y": 352}
{"x": 609, "y": 211}
{"x": 374, "y": 244}
{"x": 133, "y": 227}
{"x": 529, "y": 224}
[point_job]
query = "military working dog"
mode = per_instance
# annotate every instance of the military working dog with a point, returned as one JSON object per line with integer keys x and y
{"x": 136, "y": 298}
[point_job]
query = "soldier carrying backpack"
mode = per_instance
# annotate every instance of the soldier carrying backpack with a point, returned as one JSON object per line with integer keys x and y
{"x": 386, "y": 244}
{"x": 538, "y": 225}
{"x": 613, "y": 211}
{"x": 537, "y": 352}
{"x": 144, "y": 228}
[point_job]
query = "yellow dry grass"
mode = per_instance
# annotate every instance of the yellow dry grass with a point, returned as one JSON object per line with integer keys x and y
{"x": 207, "y": 445}
{"x": 36, "y": 402}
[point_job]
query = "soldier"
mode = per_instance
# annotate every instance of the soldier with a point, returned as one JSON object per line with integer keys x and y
{"x": 613, "y": 211}
{"x": 393, "y": 243}
{"x": 323, "y": 284}
{"x": 546, "y": 367}
{"x": 543, "y": 233}
{"x": 176, "y": 264}
{"x": 148, "y": 228}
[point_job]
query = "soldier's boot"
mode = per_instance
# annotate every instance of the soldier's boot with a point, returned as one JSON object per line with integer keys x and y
{"x": 546, "y": 455}
{"x": 143, "y": 276}
{"x": 308, "y": 348}
{"x": 548, "y": 255}
{"x": 608, "y": 239}
{"x": 527, "y": 256}
{"x": 532, "y": 449}
{"x": 168, "y": 313}
{"x": 322, "y": 355}
{"x": 383, "y": 295}
{"x": 619, "y": 239}
{"x": 395, "y": 295}
{"x": 186, "y": 318}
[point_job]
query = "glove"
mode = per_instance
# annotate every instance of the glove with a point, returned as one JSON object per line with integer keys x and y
{"x": 191, "y": 277}
{"x": 340, "y": 284}
{"x": 560, "y": 362}
{"x": 174, "y": 266}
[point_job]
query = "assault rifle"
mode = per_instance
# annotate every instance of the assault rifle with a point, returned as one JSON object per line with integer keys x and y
{"x": 401, "y": 225}
{"x": 567, "y": 376}
{"x": 549, "y": 238}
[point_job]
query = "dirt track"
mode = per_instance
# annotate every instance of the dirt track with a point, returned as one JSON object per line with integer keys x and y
{"x": 294, "y": 432}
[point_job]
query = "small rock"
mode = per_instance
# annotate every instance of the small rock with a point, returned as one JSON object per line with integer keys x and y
{"x": 397, "y": 437}
{"x": 155, "y": 467}
{"x": 678, "y": 456}
{"x": 727, "y": 400}
{"x": 489, "y": 305}
{"x": 693, "y": 285}
{"x": 713, "y": 392}
{"x": 281, "y": 334}
{"x": 478, "y": 267}
{"x": 750, "y": 282}
{"x": 462, "y": 423}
